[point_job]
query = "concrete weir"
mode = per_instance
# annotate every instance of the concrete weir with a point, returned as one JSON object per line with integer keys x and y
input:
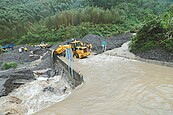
{"x": 73, "y": 77}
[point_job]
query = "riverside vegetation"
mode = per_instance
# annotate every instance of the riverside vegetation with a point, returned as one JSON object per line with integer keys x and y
{"x": 157, "y": 32}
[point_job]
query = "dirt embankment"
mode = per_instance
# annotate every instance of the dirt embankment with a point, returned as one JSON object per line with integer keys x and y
{"x": 16, "y": 79}
{"x": 111, "y": 42}
{"x": 156, "y": 54}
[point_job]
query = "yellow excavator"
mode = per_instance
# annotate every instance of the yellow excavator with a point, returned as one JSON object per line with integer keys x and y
{"x": 79, "y": 49}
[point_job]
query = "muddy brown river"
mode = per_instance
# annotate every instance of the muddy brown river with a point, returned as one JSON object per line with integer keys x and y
{"x": 118, "y": 86}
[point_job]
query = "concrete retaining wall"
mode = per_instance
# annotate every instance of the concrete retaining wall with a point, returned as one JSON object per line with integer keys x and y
{"x": 168, "y": 64}
{"x": 162, "y": 63}
{"x": 74, "y": 78}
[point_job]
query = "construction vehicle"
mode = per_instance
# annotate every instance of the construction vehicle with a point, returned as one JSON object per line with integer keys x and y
{"x": 79, "y": 49}
{"x": 60, "y": 50}
{"x": 43, "y": 45}
{"x": 8, "y": 46}
{"x": 25, "y": 49}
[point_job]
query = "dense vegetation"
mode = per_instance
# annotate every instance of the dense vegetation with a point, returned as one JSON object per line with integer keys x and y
{"x": 25, "y": 21}
{"x": 16, "y": 17}
{"x": 157, "y": 32}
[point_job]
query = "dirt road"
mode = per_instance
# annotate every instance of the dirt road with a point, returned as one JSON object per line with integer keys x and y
{"x": 118, "y": 86}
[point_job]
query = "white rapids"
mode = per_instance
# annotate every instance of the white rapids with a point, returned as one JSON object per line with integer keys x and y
{"x": 34, "y": 96}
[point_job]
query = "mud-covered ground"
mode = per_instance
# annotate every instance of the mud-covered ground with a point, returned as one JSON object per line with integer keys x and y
{"x": 14, "y": 55}
{"x": 156, "y": 54}
{"x": 111, "y": 42}
{"x": 27, "y": 62}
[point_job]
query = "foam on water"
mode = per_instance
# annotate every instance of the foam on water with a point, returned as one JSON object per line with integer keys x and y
{"x": 42, "y": 78}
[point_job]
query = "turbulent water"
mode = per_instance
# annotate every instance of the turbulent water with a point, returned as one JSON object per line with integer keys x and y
{"x": 34, "y": 96}
{"x": 118, "y": 86}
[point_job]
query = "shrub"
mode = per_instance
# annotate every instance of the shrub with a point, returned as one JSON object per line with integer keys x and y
{"x": 9, "y": 65}
{"x": 167, "y": 44}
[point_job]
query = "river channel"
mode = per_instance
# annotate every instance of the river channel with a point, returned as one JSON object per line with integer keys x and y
{"x": 118, "y": 86}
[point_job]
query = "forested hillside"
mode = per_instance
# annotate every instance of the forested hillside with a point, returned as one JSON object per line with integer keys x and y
{"x": 26, "y": 21}
{"x": 16, "y": 17}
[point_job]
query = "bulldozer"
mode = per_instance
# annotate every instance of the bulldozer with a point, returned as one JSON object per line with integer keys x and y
{"x": 79, "y": 49}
